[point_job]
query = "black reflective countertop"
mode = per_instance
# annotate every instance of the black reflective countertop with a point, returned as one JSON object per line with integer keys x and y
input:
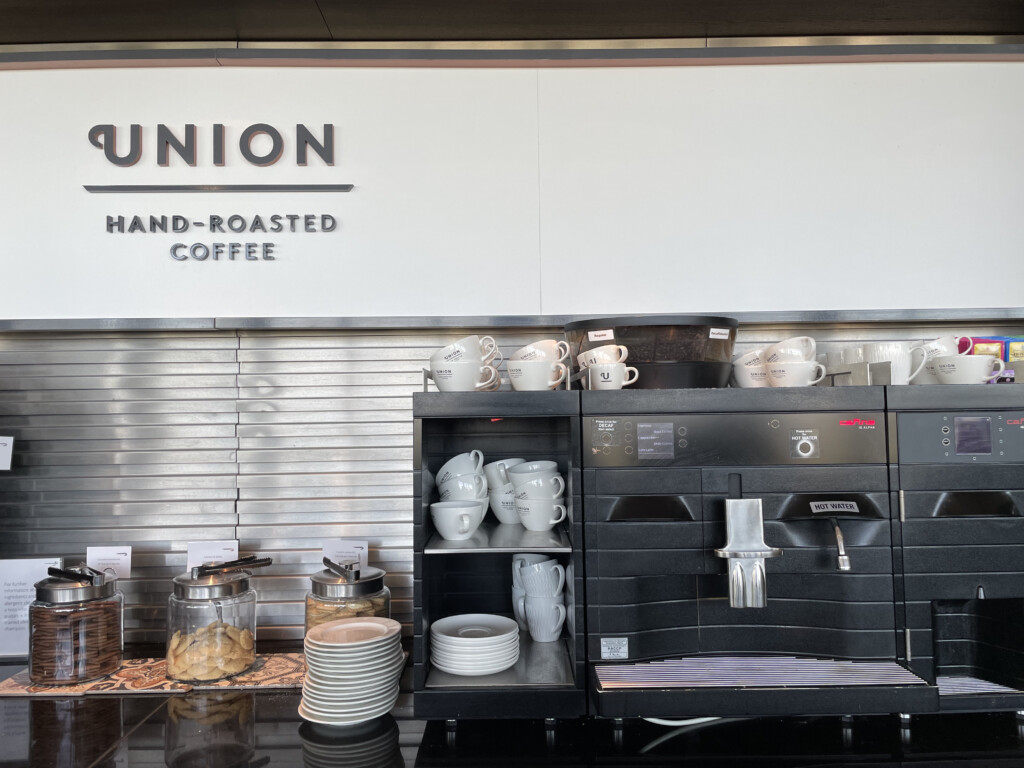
{"x": 247, "y": 728}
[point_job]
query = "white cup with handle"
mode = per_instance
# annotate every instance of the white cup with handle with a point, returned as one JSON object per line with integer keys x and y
{"x": 522, "y": 559}
{"x": 899, "y": 355}
{"x": 463, "y": 487}
{"x": 540, "y": 514}
{"x": 468, "y": 463}
{"x": 940, "y": 347}
{"x": 611, "y": 375}
{"x": 492, "y": 471}
{"x": 464, "y": 376}
{"x": 457, "y": 520}
{"x": 538, "y": 486}
{"x": 543, "y": 579}
{"x": 472, "y": 348}
{"x": 535, "y": 375}
{"x": 968, "y": 369}
{"x": 750, "y": 376}
{"x": 527, "y": 469}
{"x": 792, "y": 350}
{"x": 503, "y": 503}
{"x": 544, "y": 617}
{"x": 606, "y": 353}
{"x": 802, "y": 373}
{"x": 546, "y": 349}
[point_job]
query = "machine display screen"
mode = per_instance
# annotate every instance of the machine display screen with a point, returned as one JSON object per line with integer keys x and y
{"x": 655, "y": 440}
{"x": 973, "y": 434}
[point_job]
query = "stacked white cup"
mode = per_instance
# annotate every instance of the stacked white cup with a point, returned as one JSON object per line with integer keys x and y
{"x": 539, "y": 494}
{"x": 501, "y": 492}
{"x": 787, "y": 363}
{"x": 538, "y": 366}
{"x": 467, "y": 365}
{"x": 462, "y": 489}
{"x": 606, "y": 368}
{"x": 542, "y": 604}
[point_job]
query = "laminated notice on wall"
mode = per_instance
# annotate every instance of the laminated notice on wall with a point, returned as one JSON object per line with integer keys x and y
{"x": 614, "y": 647}
{"x": 116, "y": 560}
{"x": 834, "y": 507}
{"x": 6, "y": 448}
{"x": 200, "y": 552}
{"x": 342, "y": 550}
{"x": 17, "y": 591}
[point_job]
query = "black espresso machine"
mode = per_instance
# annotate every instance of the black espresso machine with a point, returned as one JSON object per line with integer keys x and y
{"x": 958, "y": 455}
{"x": 739, "y": 557}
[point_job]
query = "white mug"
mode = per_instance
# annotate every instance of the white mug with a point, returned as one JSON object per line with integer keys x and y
{"x": 535, "y": 375}
{"x": 544, "y": 617}
{"x": 547, "y": 349}
{"x": 545, "y": 579}
{"x": 540, "y": 514}
{"x": 610, "y": 375}
{"x": 503, "y": 504}
{"x": 521, "y": 559}
{"x": 801, "y": 373}
{"x": 967, "y": 369}
{"x": 464, "y": 376}
{"x": 753, "y": 357}
{"x": 898, "y": 354}
{"x": 608, "y": 353}
{"x": 519, "y": 605}
{"x": 492, "y": 471}
{"x": 524, "y": 470}
{"x": 750, "y": 376}
{"x": 463, "y": 487}
{"x": 471, "y": 348}
{"x": 469, "y": 463}
{"x": 944, "y": 345}
{"x": 794, "y": 350}
{"x": 457, "y": 520}
{"x": 539, "y": 486}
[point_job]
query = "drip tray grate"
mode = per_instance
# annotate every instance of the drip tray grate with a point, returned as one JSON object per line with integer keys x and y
{"x": 753, "y": 672}
{"x": 967, "y": 686}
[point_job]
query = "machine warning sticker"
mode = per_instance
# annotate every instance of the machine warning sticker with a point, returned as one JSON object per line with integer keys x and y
{"x": 614, "y": 647}
{"x": 832, "y": 507}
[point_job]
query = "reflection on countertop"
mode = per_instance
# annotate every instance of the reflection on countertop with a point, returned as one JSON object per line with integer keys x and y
{"x": 254, "y": 729}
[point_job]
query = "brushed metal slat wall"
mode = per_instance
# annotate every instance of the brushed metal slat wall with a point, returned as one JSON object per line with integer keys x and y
{"x": 278, "y": 439}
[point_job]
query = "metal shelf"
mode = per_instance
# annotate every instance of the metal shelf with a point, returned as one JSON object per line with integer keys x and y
{"x": 492, "y": 537}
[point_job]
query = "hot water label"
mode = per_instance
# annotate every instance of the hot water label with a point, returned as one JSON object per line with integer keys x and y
{"x": 832, "y": 507}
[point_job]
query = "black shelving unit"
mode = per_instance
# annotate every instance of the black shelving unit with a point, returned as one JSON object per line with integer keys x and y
{"x": 549, "y": 680}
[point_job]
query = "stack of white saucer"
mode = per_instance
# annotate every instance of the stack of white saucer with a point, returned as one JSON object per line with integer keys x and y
{"x": 474, "y": 644}
{"x": 353, "y": 669}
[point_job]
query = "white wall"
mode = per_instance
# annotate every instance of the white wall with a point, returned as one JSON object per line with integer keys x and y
{"x": 532, "y": 191}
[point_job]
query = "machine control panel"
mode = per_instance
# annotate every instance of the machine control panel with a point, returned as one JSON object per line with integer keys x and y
{"x": 733, "y": 439}
{"x": 964, "y": 437}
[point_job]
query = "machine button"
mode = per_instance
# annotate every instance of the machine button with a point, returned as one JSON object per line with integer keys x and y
{"x": 805, "y": 447}
{"x": 628, "y": 424}
{"x": 628, "y": 437}
{"x": 628, "y": 450}
{"x": 945, "y": 430}
{"x": 606, "y": 438}
{"x": 683, "y": 443}
{"x": 682, "y": 431}
{"x": 774, "y": 423}
{"x": 945, "y": 441}
{"x": 606, "y": 451}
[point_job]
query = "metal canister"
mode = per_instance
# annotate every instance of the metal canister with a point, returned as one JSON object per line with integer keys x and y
{"x": 344, "y": 590}
{"x": 75, "y": 627}
{"x": 211, "y": 621}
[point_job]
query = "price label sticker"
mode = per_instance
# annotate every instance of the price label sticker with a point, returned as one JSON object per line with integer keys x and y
{"x": 200, "y": 552}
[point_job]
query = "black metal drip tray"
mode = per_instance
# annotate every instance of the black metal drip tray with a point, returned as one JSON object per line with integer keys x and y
{"x": 758, "y": 685}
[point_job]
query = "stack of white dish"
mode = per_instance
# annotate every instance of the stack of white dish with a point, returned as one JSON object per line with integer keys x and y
{"x": 474, "y": 644}
{"x": 353, "y": 669}
{"x": 369, "y": 745}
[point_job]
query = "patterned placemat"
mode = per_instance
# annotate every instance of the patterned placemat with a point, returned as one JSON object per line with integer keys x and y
{"x": 271, "y": 670}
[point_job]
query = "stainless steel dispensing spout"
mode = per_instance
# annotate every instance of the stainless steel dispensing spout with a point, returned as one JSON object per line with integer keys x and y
{"x": 746, "y": 551}
{"x": 844, "y": 559}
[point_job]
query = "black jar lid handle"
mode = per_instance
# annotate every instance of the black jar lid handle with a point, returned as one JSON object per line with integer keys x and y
{"x": 348, "y": 570}
{"x": 243, "y": 563}
{"x": 83, "y": 575}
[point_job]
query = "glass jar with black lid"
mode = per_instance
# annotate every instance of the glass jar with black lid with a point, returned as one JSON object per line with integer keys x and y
{"x": 211, "y": 621}
{"x": 75, "y": 627}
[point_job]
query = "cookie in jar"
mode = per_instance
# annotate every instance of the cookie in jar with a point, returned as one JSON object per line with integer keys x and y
{"x": 345, "y": 591}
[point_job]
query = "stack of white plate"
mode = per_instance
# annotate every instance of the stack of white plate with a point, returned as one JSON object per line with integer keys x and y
{"x": 368, "y": 745}
{"x": 474, "y": 644}
{"x": 353, "y": 669}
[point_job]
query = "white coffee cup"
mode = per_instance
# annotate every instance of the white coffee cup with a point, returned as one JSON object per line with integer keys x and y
{"x": 469, "y": 463}
{"x": 463, "y": 487}
{"x": 464, "y": 376}
{"x": 521, "y": 559}
{"x": 795, "y": 374}
{"x": 527, "y": 469}
{"x": 750, "y": 376}
{"x": 544, "y": 617}
{"x": 472, "y": 348}
{"x": 546, "y": 349}
{"x": 540, "y": 514}
{"x": 793, "y": 350}
{"x": 545, "y": 579}
{"x": 457, "y": 520}
{"x": 942, "y": 346}
{"x": 607, "y": 353}
{"x": 898, "y": 354}
{"x": 503, "y": 504}
{"x": 610, "y": 375}
{"x": 519, "y": 606}
{"x": 492, "y": 471}
{"x": 753, "y": 357}
{"x": 968, "y": 369}
{"x": 539, "y": 486}
{"x": 535, "y": 375}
